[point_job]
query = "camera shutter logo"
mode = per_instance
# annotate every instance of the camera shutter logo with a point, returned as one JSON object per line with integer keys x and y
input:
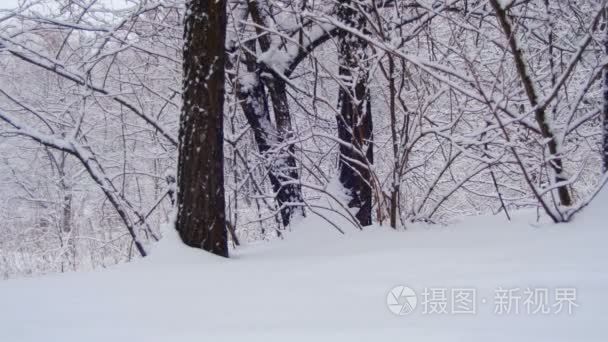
{"x": 401, "y": 300}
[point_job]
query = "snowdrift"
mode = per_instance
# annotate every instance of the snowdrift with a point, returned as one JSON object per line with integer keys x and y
{"x": 319, "y": 285}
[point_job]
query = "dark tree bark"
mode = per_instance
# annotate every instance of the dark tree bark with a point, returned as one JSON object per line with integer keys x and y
{"x": 540, "y": 114}
{"x": 201, "y": 218}
{"x": 605, "y": 109}
{"x": 252, "y": 97}
{"x": 355, "y": 120}
{"x": 285, "y": 167}
{"x": 254, "y": 103}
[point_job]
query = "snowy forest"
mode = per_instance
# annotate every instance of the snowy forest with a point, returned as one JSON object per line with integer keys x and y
{"x": 244, "y": 124}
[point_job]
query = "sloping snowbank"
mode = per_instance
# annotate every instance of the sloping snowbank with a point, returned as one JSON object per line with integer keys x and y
{"x": 318, "y": 285}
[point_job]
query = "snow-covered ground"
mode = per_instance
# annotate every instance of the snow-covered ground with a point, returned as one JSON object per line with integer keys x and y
{"x": 317, "y": 285}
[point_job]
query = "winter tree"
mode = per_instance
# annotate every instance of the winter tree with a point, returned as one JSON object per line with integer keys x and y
{"x": 373, "y": 112}
{"x": 201, "y": 218}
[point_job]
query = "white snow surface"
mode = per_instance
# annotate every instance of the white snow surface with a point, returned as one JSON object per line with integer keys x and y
{"x": 317, "y": 285}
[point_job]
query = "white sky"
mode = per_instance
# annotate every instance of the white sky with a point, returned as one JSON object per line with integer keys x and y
{"x": 9, "y": 4}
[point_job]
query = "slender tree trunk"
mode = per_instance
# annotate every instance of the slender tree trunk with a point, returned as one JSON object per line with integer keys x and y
{"x": 201, "y": 218}
{"x": 66, "y": 218}
{"x": 395, "y": 142}
{"x": 355, "y": 121}
{"x": 284, "y": 168}
{"x": 252, "y": 97}
{"x": 540, "y": 113}
{"x": 605, "y": 110}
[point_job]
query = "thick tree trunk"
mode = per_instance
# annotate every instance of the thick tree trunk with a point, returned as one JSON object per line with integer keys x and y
{"x": 355, "y": 121}
{"x": 201, "y": 218}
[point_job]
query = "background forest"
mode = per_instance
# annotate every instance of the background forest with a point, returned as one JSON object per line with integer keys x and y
{"x": 401, "y": 111}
